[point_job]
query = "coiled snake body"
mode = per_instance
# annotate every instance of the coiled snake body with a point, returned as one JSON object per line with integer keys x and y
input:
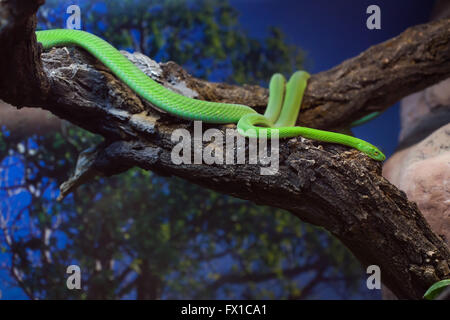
{"x": 281, "y": 113}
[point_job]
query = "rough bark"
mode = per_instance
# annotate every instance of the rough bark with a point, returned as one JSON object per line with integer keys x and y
{"x": 328, "y": 185}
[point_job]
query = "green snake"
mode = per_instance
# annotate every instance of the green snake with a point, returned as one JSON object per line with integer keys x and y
{"x": 281, "y": 113}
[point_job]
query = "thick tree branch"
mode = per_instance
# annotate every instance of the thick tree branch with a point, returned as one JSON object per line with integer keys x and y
{"x": 324, "y": 184}
{"x": 20, "y": 66}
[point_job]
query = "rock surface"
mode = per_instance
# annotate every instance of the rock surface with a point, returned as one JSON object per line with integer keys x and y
{"x": 423, "y": 172}
{"x": 25, "y": 122}
{"x": 422, "y": 112}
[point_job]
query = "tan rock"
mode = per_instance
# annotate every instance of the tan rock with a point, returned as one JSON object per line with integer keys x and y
{"x": 27, "y": 121}
{"x": 423, "y": 172}
{"x": 423, "y": 104}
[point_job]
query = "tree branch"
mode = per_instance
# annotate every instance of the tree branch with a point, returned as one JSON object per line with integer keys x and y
{"x": 324, "y": 184}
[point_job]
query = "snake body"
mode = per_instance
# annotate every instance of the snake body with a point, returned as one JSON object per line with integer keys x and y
{"x": 281, "y": 113}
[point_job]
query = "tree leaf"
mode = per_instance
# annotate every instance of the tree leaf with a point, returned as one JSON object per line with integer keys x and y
{"x": 436, "y": 289}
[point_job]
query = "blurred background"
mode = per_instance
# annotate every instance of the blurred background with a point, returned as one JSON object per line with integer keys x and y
{"x": 140, "y": 236}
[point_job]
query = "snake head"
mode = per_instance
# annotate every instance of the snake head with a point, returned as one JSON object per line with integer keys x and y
{"x": 372, "y": 151}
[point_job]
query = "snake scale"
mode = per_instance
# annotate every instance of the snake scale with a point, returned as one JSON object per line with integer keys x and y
{"x": 281, "y": 113}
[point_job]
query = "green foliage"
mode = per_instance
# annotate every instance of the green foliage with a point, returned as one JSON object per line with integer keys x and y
{"x": 436, "y": 289}
{"x": 202, "y": 35}
{"x": 143, "y": 236}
